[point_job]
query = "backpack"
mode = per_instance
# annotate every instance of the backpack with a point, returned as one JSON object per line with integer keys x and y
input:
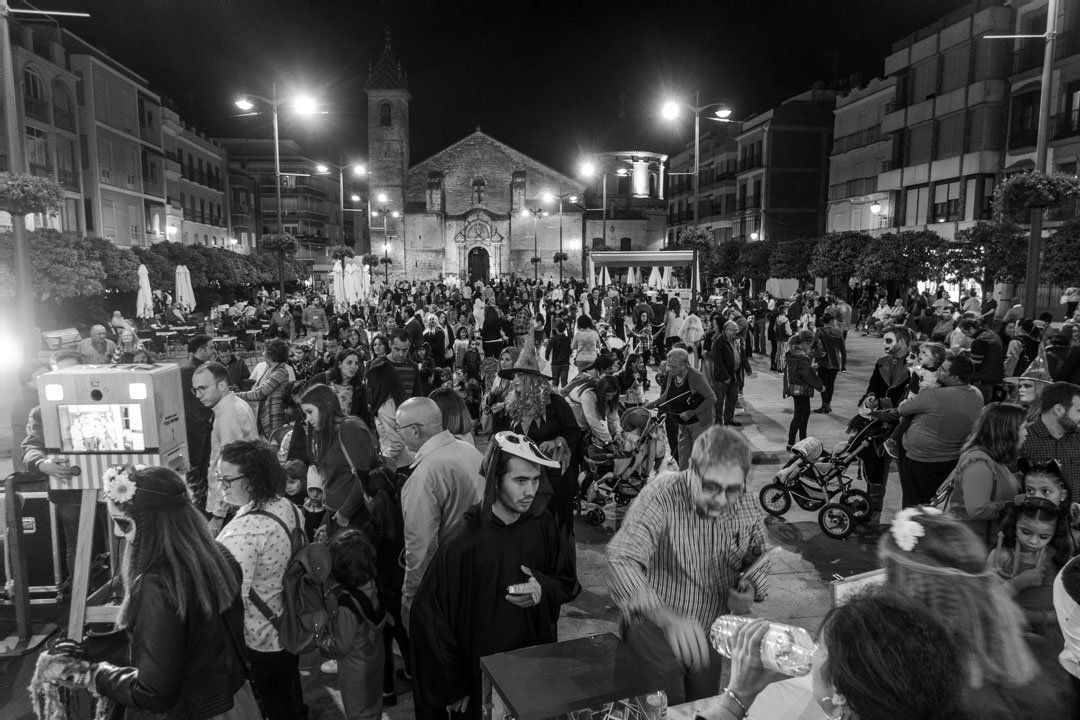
{"x": 310, "y": 619}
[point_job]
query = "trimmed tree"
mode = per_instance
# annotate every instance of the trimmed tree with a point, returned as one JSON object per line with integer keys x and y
{"x": 836, "y": 256}
{"x": 753, "y": 263}
{"x": 987, "y": 252}
{"x": 60, "y": 266}
{"x": 791, "y": 258}
{"x": 281, "y": 246}
{"x": 900, "y": 259}
{"x": 1061, "y": 255}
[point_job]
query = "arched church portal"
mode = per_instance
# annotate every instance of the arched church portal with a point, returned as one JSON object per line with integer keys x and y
{"x": 479, "y": 265}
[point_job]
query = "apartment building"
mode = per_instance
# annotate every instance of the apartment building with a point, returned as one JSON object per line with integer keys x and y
{"x": 947, "y": 119}
{"x": 636, "y": 216}
{"x": 123, "y": 160}
{"x": 243, "y": 207}
{"x": 782, "y": 174}
{"x": 196, "y": 176}
{"x": 311, "y": 209}
{"x": 1063, "y": 142}
{"x": 45, "y": 92}
{"x": 859, "y": 151}
{"x": 716, "y": 189}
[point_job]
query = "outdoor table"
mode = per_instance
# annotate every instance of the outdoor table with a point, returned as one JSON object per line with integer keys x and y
{"x": 545, "y": 681}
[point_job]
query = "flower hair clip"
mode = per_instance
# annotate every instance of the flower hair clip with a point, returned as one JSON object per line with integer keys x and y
{"x": 119, "y": 485}
{"x": 905, "y": 530}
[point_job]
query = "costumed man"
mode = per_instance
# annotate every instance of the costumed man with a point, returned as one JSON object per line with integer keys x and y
{"x": 689, "y": 399}
{"x": 888, "y": 385}
{"x": 496, "y": 585}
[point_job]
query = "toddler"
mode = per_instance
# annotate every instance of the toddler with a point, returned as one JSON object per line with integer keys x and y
{"x": 296, "y": 482}
{"x": 314, "y": 510}
{"x": 1033, "y": 545}
{"x": 1045, "y": 480}
{"x": 474, "y": 360}
{"x": 461, "y": 346}
{"x": 352, "y": 565}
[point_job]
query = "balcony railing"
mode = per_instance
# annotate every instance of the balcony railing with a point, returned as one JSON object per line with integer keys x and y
{"x": 1065, "y": 125}
{"x": 148, "y": 133}
{"x": 1067, "y": 44}
{"x": 1069, "y": 210}
{"x": 853, "y": 188}
{"x": 750, "y": 164}
{"x": 40, "y": 170}
{"x": 858, "y": 139}
{"x": 152, "y": 187}
{"x": 64, "y": 119}
{"x": 68, "y": 178}
{"x": 748, "y": 203}
{"x": 887, "y": 165}
{"x": 37, "y": 109}
{"x": 1028, "y": 57}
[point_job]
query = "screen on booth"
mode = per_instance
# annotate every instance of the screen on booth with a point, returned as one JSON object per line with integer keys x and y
{"x": 101, "y": 428}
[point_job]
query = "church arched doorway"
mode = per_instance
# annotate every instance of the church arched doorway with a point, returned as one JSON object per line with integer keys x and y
{"x": 479, "y": 265}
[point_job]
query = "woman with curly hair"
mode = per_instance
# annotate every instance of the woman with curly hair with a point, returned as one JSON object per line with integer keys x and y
{"x": 545, "y": 417}
{"x": 259, "y": 537}
{"x": 182, "y": 610}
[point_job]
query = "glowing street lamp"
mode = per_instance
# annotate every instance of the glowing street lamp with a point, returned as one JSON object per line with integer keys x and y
{"x": 721, "y": 113}
{"x": 356, "y": 169}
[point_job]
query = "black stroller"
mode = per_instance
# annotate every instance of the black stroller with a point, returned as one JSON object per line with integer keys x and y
{"x": 817, "y": 480}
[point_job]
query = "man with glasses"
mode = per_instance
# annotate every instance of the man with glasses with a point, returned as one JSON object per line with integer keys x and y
{"x": 399, "y": 359}
{"x": 232, "y": 421}
{"x": 681, "y": 559}
{"x": 445, "y": 482}
{"x": 197, "y": 418}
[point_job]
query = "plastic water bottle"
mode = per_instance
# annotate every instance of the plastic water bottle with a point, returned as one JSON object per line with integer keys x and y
{"x": 654, "y": 705}
{"x": 786, "y": 648}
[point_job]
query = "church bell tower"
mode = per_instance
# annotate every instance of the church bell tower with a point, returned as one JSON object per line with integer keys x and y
{"x": 388, "y": 152}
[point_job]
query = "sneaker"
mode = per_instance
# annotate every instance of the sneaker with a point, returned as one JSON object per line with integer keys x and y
{"x": 891, "y": 448}
{"x": 823, "y": 410}
{"x": 329, "y": 667}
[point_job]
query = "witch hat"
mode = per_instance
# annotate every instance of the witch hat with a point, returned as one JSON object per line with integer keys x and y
{"x": 1037, "y": 371}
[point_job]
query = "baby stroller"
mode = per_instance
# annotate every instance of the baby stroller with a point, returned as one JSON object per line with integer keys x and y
{"x": 822, "y": 481}
{"x": 621, "y": 474}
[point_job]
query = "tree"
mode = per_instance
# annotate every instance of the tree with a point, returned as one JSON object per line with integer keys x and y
{"x": 836, "y": 256}
{"x": 370, "y": 259}
{"x": 1061, "y": 255}
{"x": 791, "y": 258}
{"x": 900, "y": 259}
{"x": 282, "y": 246}
{"x": 987, "y": 252}
{"x": 120, "y": 264}
{"x": 60, "y": 266}
{"x": 161, "y": 271}
{"x": 340, "y": 252}
{"x": 753, "y": 263}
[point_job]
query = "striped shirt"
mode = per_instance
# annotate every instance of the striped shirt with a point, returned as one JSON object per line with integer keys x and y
{"x": 668, "y": 555}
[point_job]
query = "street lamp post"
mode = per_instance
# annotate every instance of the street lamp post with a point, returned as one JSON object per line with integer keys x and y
{"x": 304, "y": 106}
{"x": 671, "y": 111}
{"x": 536, "y": 213}
{"x": 383, "y": 199}
{"x": 550, "y": 197}
{"x": 359, "y": 171}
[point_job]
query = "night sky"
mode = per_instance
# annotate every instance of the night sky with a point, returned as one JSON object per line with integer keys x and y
{"x": 549, "y": 78}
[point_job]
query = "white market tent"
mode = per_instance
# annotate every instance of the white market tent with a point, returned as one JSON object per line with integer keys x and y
{"x": 650, "y": 258}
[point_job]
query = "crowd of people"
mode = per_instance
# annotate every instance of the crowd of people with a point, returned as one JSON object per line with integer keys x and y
{"x": 364, "y": 427}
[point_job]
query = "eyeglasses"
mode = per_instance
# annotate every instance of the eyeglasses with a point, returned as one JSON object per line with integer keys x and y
{"x": 399, "y": 428}
{"x": 200, "y": 390}
{"x": 227, "y": 481}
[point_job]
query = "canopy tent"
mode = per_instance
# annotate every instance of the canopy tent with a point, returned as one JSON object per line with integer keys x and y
{"x": 666, "y": 259}
{"x": 185, "y": 294}
{"x": 338, "y": 285}
{"x": 604, "y": 279}
{"x": 655, "y": 278}
{"x": 144, "y": 302}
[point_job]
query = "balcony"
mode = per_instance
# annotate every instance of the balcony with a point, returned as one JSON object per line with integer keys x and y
{"x": 40, "y": 170}
{"x": 37, "y": 109}
{"x": 749, "y": 203}
{"x": 149, "y": 134}
{"x": 1067, "y": 44}
{"x": 68, "y": 178}
{"x": 1064, "y": 125}
{"x": 857, "y": 139}
{"x": 750, "y": 164}
{"x": 64, "y": 119}
{"x": 152, "y": 187}
{"x": 853, "y": 188}
{"x": 889, "y": 165}
{"x": 1028, "y": 57}
{"x": 1069, "y": 210}
{"x": 1023, "y": 137}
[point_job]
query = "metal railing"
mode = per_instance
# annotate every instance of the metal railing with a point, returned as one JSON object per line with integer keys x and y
{"x": 858, "y": 139}
{"x": 1065, "y": 125}
{"x": 64, "y": 119}
{"x": 37, "y": 109}
{"x": 1029, "y": 57}
{"x": 40, "y": 170}
{"x": 68, "y": 178}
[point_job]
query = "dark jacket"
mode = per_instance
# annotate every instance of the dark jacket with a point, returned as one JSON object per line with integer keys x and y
{"x": 416, "y": 332}
{"x": 238, "y": 373}
{"x": 989, "y": 357}
{"x": 723, "y": 357}
{"x": 180, "y": 669}
{"x": 799, "y": 376}
{"x": 196, "y": 418}
{"x": 1069, "y": 369}
{"x": 558, "y": 349}
{"x": 829, "y": 343}
{"x": 890, "y": 379}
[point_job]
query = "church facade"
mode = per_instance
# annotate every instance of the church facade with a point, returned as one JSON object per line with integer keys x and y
{"x": 479, "y": 209}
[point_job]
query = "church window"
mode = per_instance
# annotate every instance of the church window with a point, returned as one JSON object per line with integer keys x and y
{"x": 385, "y": 114}
{"x": 478, "y": 187}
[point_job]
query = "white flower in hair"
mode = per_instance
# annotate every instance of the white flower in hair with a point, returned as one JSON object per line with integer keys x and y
{"x": 905, "y": 530}
{"x": 118, "y": 486}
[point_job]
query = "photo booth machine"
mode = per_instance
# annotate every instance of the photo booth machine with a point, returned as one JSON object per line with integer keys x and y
{"x": 97, "y": 417}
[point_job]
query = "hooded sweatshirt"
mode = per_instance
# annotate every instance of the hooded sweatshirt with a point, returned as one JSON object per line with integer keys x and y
{"x": 829, "y": 340}
{"x": 799, "y": 375}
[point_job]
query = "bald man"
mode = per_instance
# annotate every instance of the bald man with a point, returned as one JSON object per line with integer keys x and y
{"x": 445, "y": 482}
{"x": 96, "y": 349}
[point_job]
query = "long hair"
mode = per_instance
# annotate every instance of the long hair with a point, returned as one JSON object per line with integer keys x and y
{"x": 172, "y": 542}
{"x": 1039, "y": 510}
{"x": 323, "y": 437}
{"x": 996, "y": 431}
{"x": 334, "y": 374}
{"x": 946, "y": 572}
{"x": 601, "y": 387}
{"x": 455, "y": 413}
{"x": 382, "y": 491}
{"x": 891, "y": 659}
{"x": 385, "y": 384}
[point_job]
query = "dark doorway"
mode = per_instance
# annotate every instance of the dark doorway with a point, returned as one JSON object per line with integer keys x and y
{"x": 479, "y": 265}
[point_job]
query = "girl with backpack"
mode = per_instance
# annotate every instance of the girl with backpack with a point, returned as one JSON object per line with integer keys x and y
{"x": 259, "y": 537}
{"x": 800, "y": 381}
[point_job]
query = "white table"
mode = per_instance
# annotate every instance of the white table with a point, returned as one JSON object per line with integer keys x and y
{"x": 789, "y": 699}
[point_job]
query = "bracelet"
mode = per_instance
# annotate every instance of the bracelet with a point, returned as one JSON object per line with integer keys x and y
{"x": 733, "y": 696}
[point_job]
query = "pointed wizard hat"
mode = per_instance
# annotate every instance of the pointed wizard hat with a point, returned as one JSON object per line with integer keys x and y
{"x": 526, "y": 362}
{"x": 1037, "y": 371}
